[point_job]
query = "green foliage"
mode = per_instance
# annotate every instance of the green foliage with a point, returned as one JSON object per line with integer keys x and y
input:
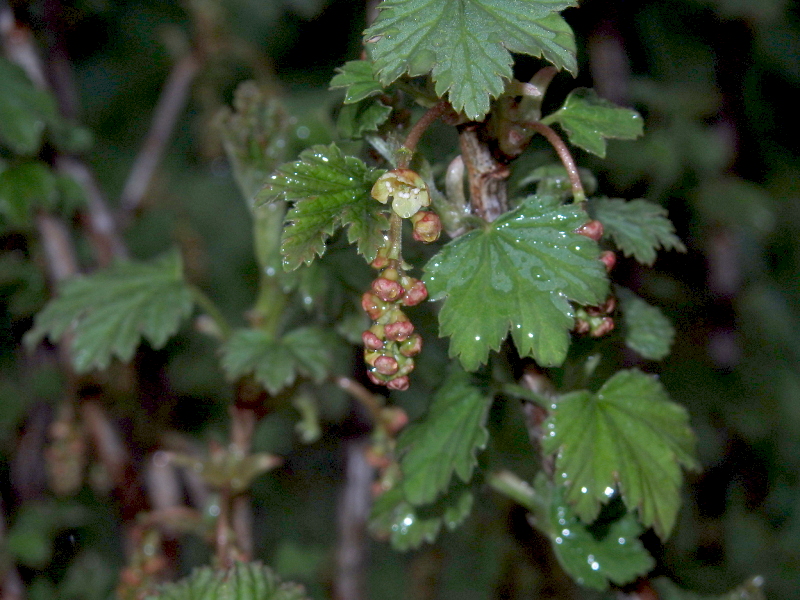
{"x": 617, "y": 556}
{"x": 330, "y": 190}
{"x": 110, "y": 311}
{"x": 467, "y": 44}
{"x": 589, "y": 121}
{"x": 273, "y": 362}
{"x": 408, "y": 526}
{"x": 629, "y": 434}
{"x": 446, "y": 441}
{"x": 639, "y": 228}
{"x": 646, "y": 328}
{"x": 357, "y": 119}
{"x": 30, "y": 539}
{"x": 24, "y": 110}
{"x": 24, "y": 187}
{"x": 243, "y": 581}
{"x": 356, "y": 76}
{"x": 517, "y": 274}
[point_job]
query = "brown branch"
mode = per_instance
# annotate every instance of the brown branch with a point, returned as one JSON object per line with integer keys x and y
{"x": 170, "y": 106}
{"x": 487, "y": 177}
{"x": 363, "y": 395}
{"x": 243, "y": 423}
{"x": 353, "y": 511}
{"x": 564, "y": 155}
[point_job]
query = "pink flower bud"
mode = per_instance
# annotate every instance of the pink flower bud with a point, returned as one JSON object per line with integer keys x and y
{"x": 606, "y": 326}
{"x": 609, "y": 259}
{"x": 380, "y": 262}
{"x": 386, "y": 365}
{"x": 387, "y": 290}
{"x": 394, "y": 418}
{"x": 399, "y": 331}
{"x": 373, "y": 305}
{"x": 400, "y": 384}
{"x": 375, "y": 379}
{"x": 427, "y": 226}
{"x": 371, "y": 341}
{"x": 412, "y": 346}
{"x": 592, "y": 230}
{"x": 415, "y": 294}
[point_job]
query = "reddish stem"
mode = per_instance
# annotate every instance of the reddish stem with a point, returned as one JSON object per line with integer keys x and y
{"x": 419, "y": 128}
{"x": 564, "y": 154}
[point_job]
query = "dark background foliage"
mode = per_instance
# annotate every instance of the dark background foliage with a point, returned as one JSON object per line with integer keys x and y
{"x": 715, "y": 80}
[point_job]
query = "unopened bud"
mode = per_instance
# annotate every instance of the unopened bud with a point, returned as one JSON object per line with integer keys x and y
{"x": 581, "y": 326}
{"x": 387, "y": 290}
{"x": 609, "y": 259}
{"x": 370, "y": 356}
{"x": 386, "y": 365}
{"x": 373, "y": 306}
{"x": 380, "y": 262}
{"x": 415, "y": 294}
{"x": 412, "y": 346}
{"x": 399, "y": 330}
{"x": 592, "y": 230}
{"x": 375, "y": 379}
{"x": 400, "y": 384}
{"x": 394, "y": 418}
{"x": 427, "y": 226}
{"x": 371, "y": 341}
{"x": 606, "y": 326}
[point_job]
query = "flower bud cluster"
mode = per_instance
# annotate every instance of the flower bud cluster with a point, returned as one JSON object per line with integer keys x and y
{"x": 596, "y": 320}
{"x": 390, "y": 344}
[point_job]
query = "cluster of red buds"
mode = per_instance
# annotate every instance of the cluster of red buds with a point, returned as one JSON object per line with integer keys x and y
{"x": 597, "y": 320}
{"x": 390, "y": 344}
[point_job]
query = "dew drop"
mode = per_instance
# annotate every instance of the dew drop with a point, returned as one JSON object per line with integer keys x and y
{"x": 270, "y": 271}
{"x": 595, "y": 566}
{"x": 621, "y": 541}
{"x": 477, "y": 338}
{"x": 565, "y": 532}
{"x": 408, "y": 521}
{"x": 609, "y": 491}
{"x": 584, "y": 490}
{"x": 214, "y": 510}
{"x": 303, "y": 132}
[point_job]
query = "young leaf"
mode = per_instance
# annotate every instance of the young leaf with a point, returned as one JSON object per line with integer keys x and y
{"x": 618, "y": 556}
{"x": 357, "y": 77}
{"x": 357, "y": 119}
{"x": 111, "y": 310}
{"x": 24, "y": 110}
{"x": 446, "y": 441}
{"x": 517, "y": 274}
{"x": 467, "y": 44}
{"x": 330, "y": 190}
{"x": 646, "y": 328}
{"x": 638, "y": 227}
{"x": 24, "y": 187}
{"x": 407, "y": 526}
{"x": 275, "y": 362}
{"x": 243, "y": 581}
{"x": 589, "y": 120}
{"x": 628, "y": 434}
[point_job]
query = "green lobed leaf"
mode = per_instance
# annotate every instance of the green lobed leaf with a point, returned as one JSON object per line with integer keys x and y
{"x": 517, "y": 274}
{"x": 24, "y": 187}
{"x": 639, "y": 228}
{"x": 357, "y": 77}
{"x": 357, "y": 119}
{"x": 467, "y": 44}
{"x": 110, "y": 311}
{"x": 446, "y": 441}
{"x": 589, "y": 120}
{"x": 275, "y": 362}
{"x": 407, "y": 526}
{"x": 617, "y": 557}
{"x": 243, "y": 581}
{"x": 629, "y": 434}
{"x": 330, "y": 190}
{"x": 647, "y": 330}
